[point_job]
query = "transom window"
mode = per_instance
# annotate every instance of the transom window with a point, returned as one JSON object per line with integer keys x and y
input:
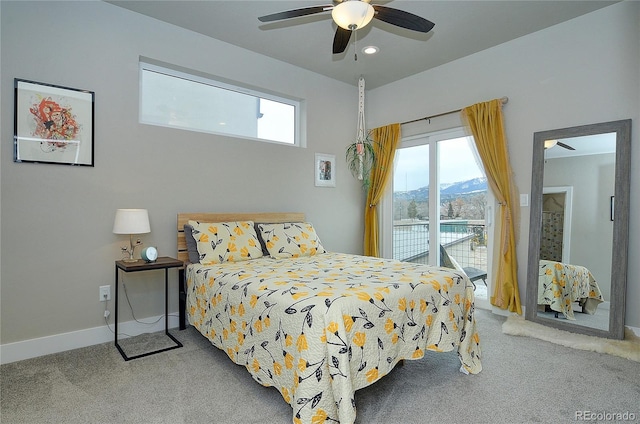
{"x": 177, "y": 99}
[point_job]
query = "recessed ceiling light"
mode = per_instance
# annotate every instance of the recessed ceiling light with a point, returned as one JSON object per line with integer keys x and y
{"x": 370, "y": 50}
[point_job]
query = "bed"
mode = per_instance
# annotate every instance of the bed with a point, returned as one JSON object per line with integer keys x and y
{"x": 316, "y": 325}
{"x": 560, "y": 285}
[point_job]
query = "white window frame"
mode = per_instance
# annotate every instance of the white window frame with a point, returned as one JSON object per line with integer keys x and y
{"x": 386, "y": 205}
{"x": 432, "y": 140}
{"x": 298, "y": 105}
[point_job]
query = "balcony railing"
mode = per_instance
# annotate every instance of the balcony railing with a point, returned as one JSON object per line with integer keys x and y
{"x": 463, "y": 240}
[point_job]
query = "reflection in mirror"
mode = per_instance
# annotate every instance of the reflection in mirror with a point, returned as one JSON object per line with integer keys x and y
{"x": 577, "y": 247}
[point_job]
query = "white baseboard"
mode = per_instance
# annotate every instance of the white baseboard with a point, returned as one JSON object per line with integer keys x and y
{"x": 636, "y": 330}
{"x": 18, "y": 351}
{"x": 505, "y": 313}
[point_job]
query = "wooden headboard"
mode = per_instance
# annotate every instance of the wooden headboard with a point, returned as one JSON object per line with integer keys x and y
{"x": 264, "y": 217}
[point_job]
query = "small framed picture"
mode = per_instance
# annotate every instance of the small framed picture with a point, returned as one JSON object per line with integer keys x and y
{"x": 53, "y": 124}
{"x": 325, "y": 170}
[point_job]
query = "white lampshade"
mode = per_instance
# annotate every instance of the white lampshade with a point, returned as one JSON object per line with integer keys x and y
{"x": 131, "y": 221}
{"x": 352, "y": 14}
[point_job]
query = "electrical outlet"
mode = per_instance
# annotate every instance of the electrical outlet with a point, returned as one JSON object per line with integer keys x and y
{"x": 105, "y": 293}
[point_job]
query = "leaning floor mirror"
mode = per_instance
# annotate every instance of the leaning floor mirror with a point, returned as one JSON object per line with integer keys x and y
{"x": 579, "y": 228}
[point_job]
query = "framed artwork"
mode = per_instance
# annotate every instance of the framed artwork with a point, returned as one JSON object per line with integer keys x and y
{"x": 53, "y": 124}
{"x": 325, "y": 166}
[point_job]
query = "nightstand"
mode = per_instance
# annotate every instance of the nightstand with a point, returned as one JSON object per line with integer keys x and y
{"x": 162, "y": 263}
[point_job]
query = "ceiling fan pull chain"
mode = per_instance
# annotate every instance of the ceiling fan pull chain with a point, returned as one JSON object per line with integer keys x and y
{"x": 355, "y": 46}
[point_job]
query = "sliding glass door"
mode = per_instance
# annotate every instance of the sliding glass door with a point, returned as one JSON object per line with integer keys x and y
{"x": 439, "y": 201}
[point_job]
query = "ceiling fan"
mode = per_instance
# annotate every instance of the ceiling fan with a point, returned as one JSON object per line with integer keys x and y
{"x": 550, "y": 143}
{"x": 351, "y": 15}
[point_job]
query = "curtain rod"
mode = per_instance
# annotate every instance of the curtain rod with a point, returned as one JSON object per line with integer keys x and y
{"x": 504, "y": 100}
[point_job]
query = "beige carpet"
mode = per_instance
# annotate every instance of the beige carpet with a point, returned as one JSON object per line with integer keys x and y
{"x": 524, "y": 380}
{"x": 628, "y": 348}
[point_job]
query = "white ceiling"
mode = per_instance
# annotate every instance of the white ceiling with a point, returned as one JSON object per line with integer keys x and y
{"x": 461, "y": 28}
{"x": 585, "y": 145}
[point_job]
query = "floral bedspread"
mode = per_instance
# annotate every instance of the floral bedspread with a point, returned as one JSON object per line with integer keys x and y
{"x": 319, "y": 328}
{"x": 559, "y": 285}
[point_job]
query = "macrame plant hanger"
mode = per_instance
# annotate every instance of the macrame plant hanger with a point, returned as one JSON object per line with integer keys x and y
{"x": 360, "y": 136}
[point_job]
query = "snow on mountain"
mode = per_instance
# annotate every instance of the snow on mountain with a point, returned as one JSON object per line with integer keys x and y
{"x": 448, "y": 190}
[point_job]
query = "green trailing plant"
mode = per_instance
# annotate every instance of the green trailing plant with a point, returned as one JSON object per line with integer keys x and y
{"x": 361, "y": 157}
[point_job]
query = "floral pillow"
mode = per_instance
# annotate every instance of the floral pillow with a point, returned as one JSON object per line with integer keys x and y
{"x": 291, "y": 240}
{"x": 220, "y": 242}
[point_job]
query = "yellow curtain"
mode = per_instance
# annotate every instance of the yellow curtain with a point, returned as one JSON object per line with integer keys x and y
{"x": 486, "y": 124}
{"x": 385, "y": 141}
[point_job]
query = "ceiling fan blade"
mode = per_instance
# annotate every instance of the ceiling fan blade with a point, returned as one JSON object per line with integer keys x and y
{"x": 295, "y": 13}
{"x": 402, "y": 19}
{"x": 566, "y": 146}
{"x": 341, "y": 40}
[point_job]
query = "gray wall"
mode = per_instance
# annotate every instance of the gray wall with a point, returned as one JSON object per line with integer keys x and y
{"x": 584, "y": 71}
{"x": 57, "y": 244}
{"x": 56, "y": 241}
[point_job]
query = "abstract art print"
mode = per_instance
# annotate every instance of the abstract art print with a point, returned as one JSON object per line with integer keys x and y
{"x": 53, "y": 124}
{"x": 325, "y": 170}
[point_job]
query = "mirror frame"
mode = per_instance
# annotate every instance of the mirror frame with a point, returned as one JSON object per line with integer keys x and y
{"x": 620, "y": 226}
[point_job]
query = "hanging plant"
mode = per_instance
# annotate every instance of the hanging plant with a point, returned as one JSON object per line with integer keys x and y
{"x": 361, "y": 157}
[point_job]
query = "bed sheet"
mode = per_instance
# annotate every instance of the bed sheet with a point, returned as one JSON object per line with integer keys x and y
{"x": 559, "y": 285}
{"x": 319, "y": 328}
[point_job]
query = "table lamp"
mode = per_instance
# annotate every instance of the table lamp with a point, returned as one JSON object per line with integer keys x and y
{"x": 131, "y": 221}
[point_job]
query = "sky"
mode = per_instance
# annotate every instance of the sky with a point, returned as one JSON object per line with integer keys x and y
{"x": 457, "y": 163}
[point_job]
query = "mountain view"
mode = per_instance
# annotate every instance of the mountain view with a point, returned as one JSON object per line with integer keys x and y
{"x": 460, "y": 200}
{"x": 448, "y": 191}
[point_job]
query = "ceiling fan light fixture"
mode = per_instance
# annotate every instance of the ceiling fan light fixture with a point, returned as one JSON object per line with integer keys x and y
{"x": 550, "y": 143}
{"x": 352, "y": 14}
